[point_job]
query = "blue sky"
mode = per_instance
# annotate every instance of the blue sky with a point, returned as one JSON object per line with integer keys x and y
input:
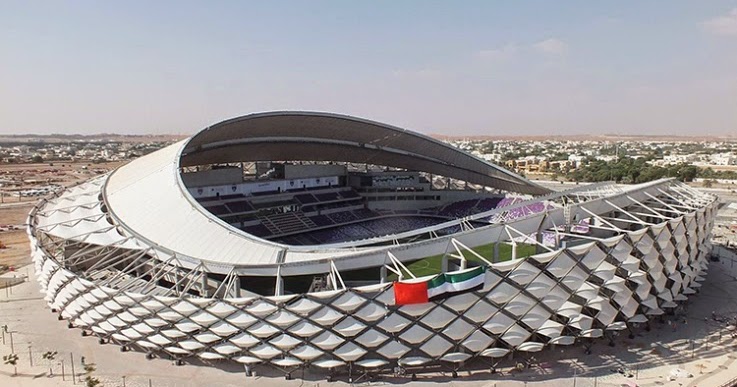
{"x": 460, "y": 68}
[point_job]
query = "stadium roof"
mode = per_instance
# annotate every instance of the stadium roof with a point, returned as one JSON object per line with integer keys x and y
{"x": 310, "y": 136}
{"x": 148, "y": 199}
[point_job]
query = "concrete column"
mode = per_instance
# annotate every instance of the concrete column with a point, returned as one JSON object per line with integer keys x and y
{"x": 204, "y": 292}
{"x": 279, "y": 288}
{"x": 237, "y": 287}
{"x": 539, "y": 238}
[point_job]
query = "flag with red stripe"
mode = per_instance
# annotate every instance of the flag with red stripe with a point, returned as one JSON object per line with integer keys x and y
{"x": 421, "y": 290}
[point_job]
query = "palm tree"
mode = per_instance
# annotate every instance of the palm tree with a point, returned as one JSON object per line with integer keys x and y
{"x": 89, "y": 380}
{"x": 49, "y": 356}
{"x": 12, "y": 359}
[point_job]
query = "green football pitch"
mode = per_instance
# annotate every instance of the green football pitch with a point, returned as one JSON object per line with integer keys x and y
{"x": 432, "y": 265}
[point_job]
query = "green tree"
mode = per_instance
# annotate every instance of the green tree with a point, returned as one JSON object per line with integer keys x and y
{"x": 629, "y": 170}
{"x": 89, "y": 380}
{"x": 687, "y": 172}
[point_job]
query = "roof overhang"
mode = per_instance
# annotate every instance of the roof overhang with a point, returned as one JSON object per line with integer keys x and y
{"x": 310, "y": 136}
{"x": 148, "y": 200}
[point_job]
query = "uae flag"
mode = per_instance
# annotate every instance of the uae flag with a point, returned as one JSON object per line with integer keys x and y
{"x": 425, "y": 289}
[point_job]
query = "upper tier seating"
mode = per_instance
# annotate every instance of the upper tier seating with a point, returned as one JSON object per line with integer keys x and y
{"x": 364, "y": 213}
{"x": 508, "y": 201}
{"x": 305, "y": 198}
{"x": 458, "y": 209}
{"x": 351, "y": 194}
{"x": 581, "y": 228}
{"x": 487, "y": 204}
{"x": 218, "y": 209}
{"x": 517, "y": 212}
{"x": 240, "y": 206}
{"x": 369, "y": 229}
{"x": 327, "y": 196}
{"x": 469, "y": 207}
{"x": 287, "y": 222}
{"x": 258, "y": 230}
{"x": 342, "y": 217}
{"x": 321, "y": 220}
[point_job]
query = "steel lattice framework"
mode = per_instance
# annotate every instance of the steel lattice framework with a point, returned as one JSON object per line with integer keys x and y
{"x": 132, "y": 258}
{"x": 586, "y": 290}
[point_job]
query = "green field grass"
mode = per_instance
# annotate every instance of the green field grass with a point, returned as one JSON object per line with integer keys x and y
{"x": 432, "y": 265}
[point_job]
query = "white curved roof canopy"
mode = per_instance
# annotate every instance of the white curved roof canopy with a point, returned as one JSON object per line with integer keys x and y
{"x": 147, "y": 199}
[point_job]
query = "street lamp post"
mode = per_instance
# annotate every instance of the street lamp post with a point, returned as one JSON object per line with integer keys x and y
{"x": 71, "y": 357}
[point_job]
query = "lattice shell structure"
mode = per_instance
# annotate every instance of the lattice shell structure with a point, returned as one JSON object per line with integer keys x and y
{"x": 586, "y": 289}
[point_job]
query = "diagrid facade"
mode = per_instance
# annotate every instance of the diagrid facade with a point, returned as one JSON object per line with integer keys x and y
{"x": 647, "y": 254}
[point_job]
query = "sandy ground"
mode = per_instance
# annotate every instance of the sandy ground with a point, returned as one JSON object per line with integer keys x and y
{"x": 15, "y": 177}
{"x": 16, "y": 249}
{"x": 14, "y": 210}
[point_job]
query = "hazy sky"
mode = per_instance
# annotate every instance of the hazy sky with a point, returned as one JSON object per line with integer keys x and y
{"x": 453, "y": 67}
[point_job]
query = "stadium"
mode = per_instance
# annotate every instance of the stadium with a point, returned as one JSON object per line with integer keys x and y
{"x": 291, "y": 240}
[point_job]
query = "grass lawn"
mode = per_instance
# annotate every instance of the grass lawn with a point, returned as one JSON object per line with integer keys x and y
{"x": 432, "y": 265}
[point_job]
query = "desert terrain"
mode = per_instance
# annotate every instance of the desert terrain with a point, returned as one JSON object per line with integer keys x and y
{"x": 14, "y": 209}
